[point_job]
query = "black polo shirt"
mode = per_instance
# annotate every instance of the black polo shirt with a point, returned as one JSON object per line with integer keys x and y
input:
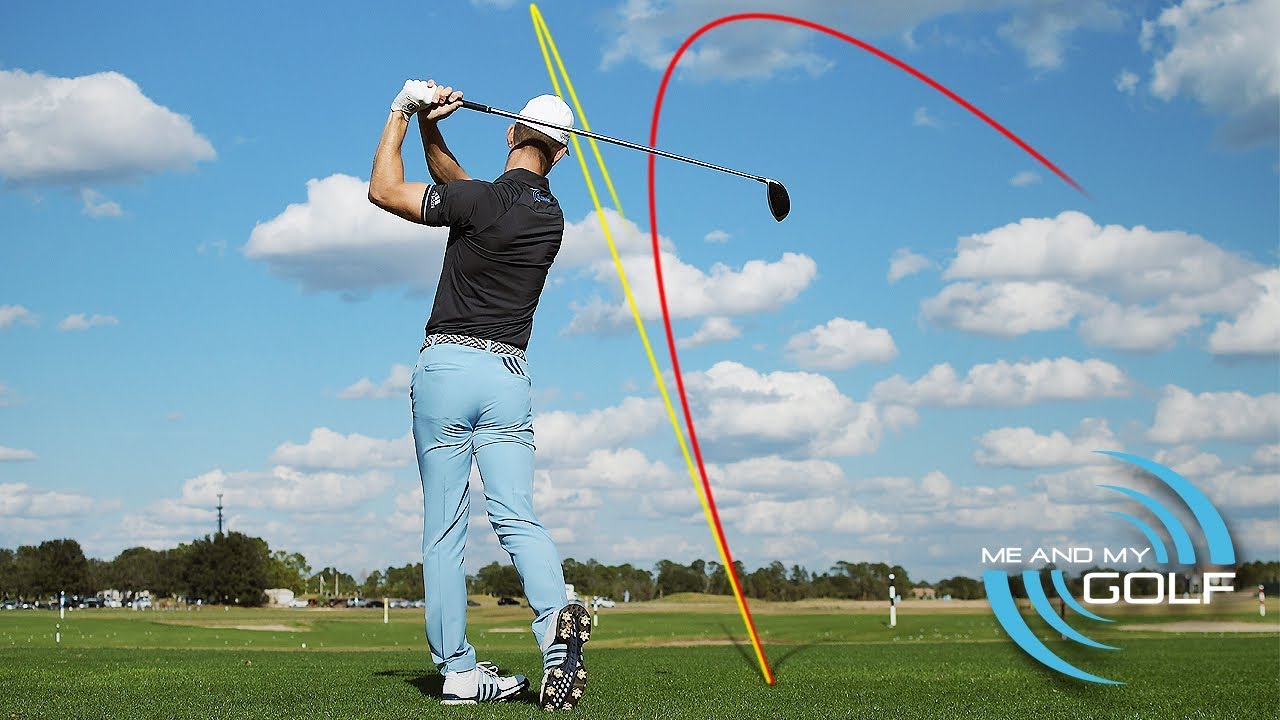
{"x": 503, "y": 237}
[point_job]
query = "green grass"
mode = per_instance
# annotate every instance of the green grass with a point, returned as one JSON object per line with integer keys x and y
{"x": 664, "y": 662}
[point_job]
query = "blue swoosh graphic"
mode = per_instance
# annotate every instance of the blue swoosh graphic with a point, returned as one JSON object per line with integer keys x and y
{"x": 1221, "y": 550}
{"x": 1162, "y": 555}
{"x": 1006, "y": 612}
{"x": 1040, "y": 601}
{"x": 1181, "y": 540}
{"x": 1060, "y": 584}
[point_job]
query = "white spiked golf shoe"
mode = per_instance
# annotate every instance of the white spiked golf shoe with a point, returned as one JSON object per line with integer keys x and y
{"x": 481, "y": 684}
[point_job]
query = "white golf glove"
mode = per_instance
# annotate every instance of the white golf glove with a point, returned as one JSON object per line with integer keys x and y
{"x": 414, "y": 96}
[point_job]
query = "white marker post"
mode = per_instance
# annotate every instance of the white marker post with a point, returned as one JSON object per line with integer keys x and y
{"x": 1262, "y": 601}
{"x": 893, "y": 603}
{"x": 385, "y": 618}
{"x": 595, "y": 602}
{"x": 57, "y": 634}
{"x": 62, "y": 605}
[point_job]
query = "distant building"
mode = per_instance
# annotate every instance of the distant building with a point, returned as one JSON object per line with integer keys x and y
{"x": 923, "y": 593}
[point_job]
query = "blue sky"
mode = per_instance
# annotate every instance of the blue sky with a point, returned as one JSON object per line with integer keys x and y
{"x": 196, "y": 297}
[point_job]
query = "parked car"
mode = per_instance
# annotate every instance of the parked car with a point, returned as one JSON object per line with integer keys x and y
{"x": 90, "y": 602}
{"x": 299, "y": 603}
{"x": 112, "y": 603}
{"x": 338, "y": 602}
{"x": 374, "y": 603}
{"x": 420, "y": 603}
{"x": 357, "y": 602}
{"x": 508, "y": 601}
{"x": 141, "y": 603}
{"x": 604, "y": 602}
{"x": 9, "y": 605}
{"x": 472, "y": 603}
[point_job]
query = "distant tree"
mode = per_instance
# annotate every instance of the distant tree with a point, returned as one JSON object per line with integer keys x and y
{"x": 495, "y": 579}
{"x": 403, "y": 582}
{"x": 677, "y": 578}
{"x": 51, "y": 567}
{"x": 961, "y": 588}
{"x": 288, "y": 570}
{"x": 8, "y": 574}
{"x": 336, "y": 583}
{"x": 230, "y": 568}
{"x": 372, "y": 585}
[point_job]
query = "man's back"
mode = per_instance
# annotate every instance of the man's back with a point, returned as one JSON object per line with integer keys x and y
{"x": 503, "y": 238}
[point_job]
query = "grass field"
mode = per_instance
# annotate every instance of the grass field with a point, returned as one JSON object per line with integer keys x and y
{"x": 677, "y": 658}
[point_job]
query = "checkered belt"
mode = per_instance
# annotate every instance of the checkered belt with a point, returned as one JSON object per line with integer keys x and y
{"x": 494, "y": 346}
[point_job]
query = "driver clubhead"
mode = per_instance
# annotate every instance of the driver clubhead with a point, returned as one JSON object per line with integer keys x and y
{"x": 779, "y": 200}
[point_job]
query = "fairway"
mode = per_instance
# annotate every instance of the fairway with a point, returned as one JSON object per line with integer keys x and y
{"x": 667, "y": 659}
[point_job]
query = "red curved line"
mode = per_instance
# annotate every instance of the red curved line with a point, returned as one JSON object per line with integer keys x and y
{"x": 657, "y": 260}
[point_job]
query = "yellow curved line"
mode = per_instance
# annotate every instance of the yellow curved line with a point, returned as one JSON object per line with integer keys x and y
{"x": 546, "y": 42}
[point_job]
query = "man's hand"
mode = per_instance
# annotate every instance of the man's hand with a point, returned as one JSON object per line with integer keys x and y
{"x": 414, "y": 96}
{"x": 443, "y": 102}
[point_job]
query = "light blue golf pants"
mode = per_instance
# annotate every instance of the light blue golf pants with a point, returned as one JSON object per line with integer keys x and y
{"x": 470, "y": 402}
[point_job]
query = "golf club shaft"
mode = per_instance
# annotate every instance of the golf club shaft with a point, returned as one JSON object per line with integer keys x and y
{"x": 587, "y": 133}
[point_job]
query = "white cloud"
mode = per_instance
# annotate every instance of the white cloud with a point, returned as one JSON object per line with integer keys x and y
{"x": 79, "y": 321}
{"x": 44, "y": 137}
{"x": 1024, "y": 178}
{"x": 1042, "y": 30}
{"x": 6, "y": 396}
{"x": 1005, "y": 384}
{"x": 905, "y": 263}
{"x": 584, "y": 241}
{"x": 650, "y": 30}
{"x": 1223, "y": 54}
{"x": 793, "y": 517}
{"x": 561, "y": 440}
{"x": 95, "y": 205}
{"x": 922, "y": 118}
{"x": 1135, "y": 327}
{"x": 741, "y": 408}
{"x": 1267, "y": 455}
{"x": 1023, "y": 447}
{"x": 396, "y": 384}
{"x": 1005, "y": 309}
{"x": 758, "y": 286}
{"x": 713, "y": 329}
{"x": 19, "y": 500}
{"x": 338, "y": 240}
{"x": 717, "y": 236}
{"x": 332, "y": 450}
{"x": 1073, "y": 248}
{"x": 1182, "y": 416}
{"x": 8, "y": 454}
{"x": 840, "y": 344}
{"x": 1126, "y": 82}
{"x": 11, "y": 315}
{"x": 285, "y": 489}
{"x": 1131, "y": 288}
{"x": 1256, "y": 328}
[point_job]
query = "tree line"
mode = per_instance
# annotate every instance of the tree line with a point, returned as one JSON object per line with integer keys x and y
{"x": 234, "y": 568}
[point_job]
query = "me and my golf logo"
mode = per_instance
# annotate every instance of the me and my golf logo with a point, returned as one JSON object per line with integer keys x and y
{"x": 1182, "y": 580}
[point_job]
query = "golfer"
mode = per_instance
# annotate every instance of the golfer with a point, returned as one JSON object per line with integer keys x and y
{"x": 470, "y": 388}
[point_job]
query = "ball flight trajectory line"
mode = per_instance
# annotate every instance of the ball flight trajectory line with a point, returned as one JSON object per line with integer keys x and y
{"x": 705, "y": 485}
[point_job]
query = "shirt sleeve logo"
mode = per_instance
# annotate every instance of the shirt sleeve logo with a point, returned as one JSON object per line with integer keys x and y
{"x": 541, "y": 195}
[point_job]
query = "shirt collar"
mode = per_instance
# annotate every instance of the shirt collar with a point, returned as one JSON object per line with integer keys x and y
{"x": 527, "y": 177}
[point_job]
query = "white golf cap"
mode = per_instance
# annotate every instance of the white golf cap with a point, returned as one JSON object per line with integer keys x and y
{"x": 552, "y": 109}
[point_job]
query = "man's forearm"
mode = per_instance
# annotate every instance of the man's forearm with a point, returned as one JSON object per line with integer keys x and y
{"x": 441, "y": 163}
{"x": 388, "y": 167}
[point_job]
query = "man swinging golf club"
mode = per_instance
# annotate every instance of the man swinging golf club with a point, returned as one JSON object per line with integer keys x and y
{"x": 470, "y": 388}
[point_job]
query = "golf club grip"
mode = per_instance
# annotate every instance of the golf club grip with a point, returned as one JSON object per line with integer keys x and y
{"x": 476, "y": 106}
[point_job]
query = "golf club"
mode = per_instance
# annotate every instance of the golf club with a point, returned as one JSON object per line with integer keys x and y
{"x": 779, "y": 200}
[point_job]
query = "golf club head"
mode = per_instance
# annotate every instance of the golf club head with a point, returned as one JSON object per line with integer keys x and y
{"x": 779, "y": 200}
